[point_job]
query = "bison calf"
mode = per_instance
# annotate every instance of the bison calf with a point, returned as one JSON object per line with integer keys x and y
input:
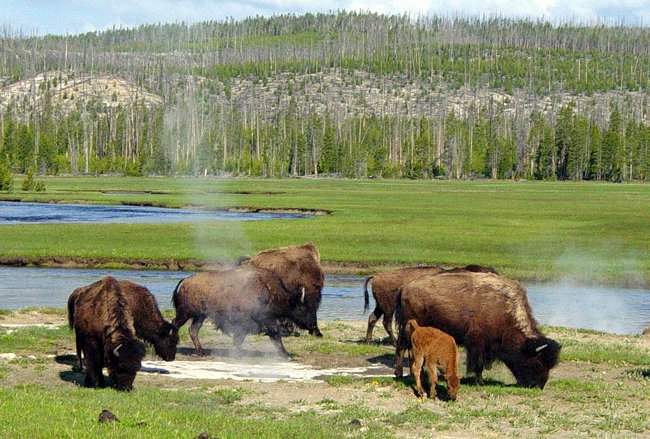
{"x": 438, "y": 350}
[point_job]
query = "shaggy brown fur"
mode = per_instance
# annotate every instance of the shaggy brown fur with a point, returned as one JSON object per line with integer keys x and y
{"x": 488, "y": 314}
{"x": 148, "y": 322}
{"x": 385, "y": 287}
{"x": 438, "y": 350}
{"x": 104, "y": 331}
{"x": 240, "y": 301}
{"x": 299, "y": 268}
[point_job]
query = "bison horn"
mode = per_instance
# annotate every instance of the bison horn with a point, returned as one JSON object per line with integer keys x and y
{"x": 541, "y": 348}
{"x": 302, "y": 298}
{"x": 116, "y": 350}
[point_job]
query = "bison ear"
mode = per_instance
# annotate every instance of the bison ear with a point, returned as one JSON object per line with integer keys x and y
{"x": 116, "y": 351}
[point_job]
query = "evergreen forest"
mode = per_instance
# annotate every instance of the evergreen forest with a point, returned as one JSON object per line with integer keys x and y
{"x": 342, "y": 94}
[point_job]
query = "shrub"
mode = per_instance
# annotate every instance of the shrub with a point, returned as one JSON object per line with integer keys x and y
{"x": 6, "y": 178}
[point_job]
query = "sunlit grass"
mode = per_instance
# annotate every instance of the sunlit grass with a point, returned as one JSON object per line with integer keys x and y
{"x": 535, "y": 230}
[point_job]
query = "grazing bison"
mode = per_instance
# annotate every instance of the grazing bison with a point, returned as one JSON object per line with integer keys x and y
{"x": 299, "y": 269}
{"x": 148, "y": 322}
{"x": 103, "y": 325}
{"x": 438, "y": 350}
{"x": 240, "y": 301}
{"x": 385, "y": 288}
{"x": 488, "y": 314}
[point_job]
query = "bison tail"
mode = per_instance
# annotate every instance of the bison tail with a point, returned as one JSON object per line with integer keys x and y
{"x": 366, "y": 297}
{"x": 175, "y": 294}
{"x": 71, "y": 301}
{"x": 399, "y": 312}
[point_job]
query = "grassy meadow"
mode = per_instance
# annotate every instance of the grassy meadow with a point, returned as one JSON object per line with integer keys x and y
{"x": 599, "y": 389}
{"x": 528, "y": 230}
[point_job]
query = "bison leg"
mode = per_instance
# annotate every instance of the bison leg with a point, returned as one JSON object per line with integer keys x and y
{"x": 416, "y": 369}
{"x": 388, "y": 325}
{"x": 94, "y": 362}
{"x": 475, "y": 360}
{"x": 197, "y": 322}
{"x": 79, "y": 344}
{"x": 238, "y": 339}
{"x": 432, "y": 371}
{"x": 275, "y": 337}
{"x": 401, "y": 346}
{"x": 372, "y": 321}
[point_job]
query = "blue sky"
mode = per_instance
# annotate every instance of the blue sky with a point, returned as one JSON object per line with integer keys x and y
{"x": 72, "y": 17}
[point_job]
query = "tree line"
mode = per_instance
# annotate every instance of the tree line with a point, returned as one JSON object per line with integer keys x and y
{"x": 483, "y": 144}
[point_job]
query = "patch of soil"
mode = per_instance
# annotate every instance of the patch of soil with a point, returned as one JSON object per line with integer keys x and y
{"x": 32, "y": 318}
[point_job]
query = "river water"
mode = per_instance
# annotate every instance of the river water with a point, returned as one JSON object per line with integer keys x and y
{"x": 614, "y": 310}
{"x": 43, "y": 213}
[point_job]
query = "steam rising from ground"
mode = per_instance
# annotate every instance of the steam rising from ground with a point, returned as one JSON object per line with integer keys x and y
{"x": 188, "y": 130}
{"x": 582, "y": 298}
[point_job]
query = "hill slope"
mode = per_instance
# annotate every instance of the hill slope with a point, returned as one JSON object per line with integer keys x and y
{"x": 345, "y": 94}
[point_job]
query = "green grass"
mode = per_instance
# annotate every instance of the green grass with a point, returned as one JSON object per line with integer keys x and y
{"x": 35, "y": 339}
{"x": 38, "y": 412}
{"x": 591, "y": 395}
{"x": 534, "y": 230}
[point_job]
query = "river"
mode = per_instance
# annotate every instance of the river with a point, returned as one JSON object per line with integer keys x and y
{"x": 44, "y": 213}
{"x": 613, "y": 310}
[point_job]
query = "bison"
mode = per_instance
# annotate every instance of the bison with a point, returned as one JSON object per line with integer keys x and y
{"x": 300, "y": 270}
{"x": 386, "y": 285}
{"x": 148, "y": 322}
{"x": 439, "y": 351}
{"x": 488, "y": 314}
{"x": 104, "y": 330}
{"x": 240, "y": 301}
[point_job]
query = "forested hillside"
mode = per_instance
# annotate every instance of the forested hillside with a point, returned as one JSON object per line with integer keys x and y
{"x": 340, "y": 94}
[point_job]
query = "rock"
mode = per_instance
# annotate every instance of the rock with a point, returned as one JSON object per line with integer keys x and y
{"x": 106, "y": 416}
{"x": 355, "y": 423}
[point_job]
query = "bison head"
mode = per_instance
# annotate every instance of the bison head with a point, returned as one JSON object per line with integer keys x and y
{"x": 303, "y": 313}
{"x": 126, "y": 360}
{"x": 166, "y": 341}
{"x": 538, "y": 357}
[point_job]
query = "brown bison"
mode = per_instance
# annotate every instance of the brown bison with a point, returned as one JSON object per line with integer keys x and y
{"x": 488, "y": 314}
{"x": 240, "y": 301}
{"x": 385, "y": 287}
{"x": 148, "y": 322}
{"x": 438, "y": 350}
{"x": 300, "y": 270}
{"x": 103, "y": 325}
